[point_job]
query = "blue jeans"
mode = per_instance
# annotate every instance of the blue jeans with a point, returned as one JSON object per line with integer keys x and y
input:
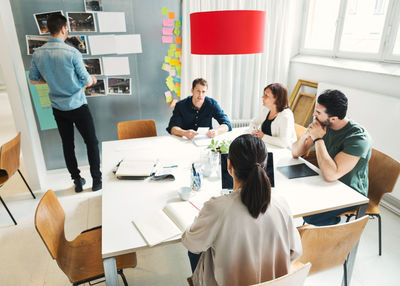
{"x": 326, "y": 218}
{"x": 194, "y": 260}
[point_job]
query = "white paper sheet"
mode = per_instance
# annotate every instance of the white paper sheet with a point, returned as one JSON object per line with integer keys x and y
{"x": 111, "y": 22}
{"x": 128, "y": 44}
{"x": 102, "y": 45}
{"x": 116, "y": 66}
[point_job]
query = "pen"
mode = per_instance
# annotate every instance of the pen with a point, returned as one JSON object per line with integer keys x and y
{"x": 172, "y": 166}
{"x": 193, "y": 169}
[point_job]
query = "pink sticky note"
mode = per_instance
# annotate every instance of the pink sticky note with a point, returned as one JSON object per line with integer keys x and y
{"x": 172, "y": 72}
{"x": 167, "y": 39}
{"x": 168, "y": 22}
{"x": 167, "y": 68}
{"x": 167, "y": 31}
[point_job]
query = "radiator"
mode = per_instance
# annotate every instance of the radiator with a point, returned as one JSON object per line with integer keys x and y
{"x": 237, "y": 123}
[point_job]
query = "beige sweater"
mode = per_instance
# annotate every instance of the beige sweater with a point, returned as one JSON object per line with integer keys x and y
{"x": 238, "y": 249}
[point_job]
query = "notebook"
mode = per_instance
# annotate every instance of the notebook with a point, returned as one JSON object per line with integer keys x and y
{"x": 168, "y": 223}
{"x": 135, "y": 169}
{"x": 227, "y": 181}
{"x": 297, "y": 171}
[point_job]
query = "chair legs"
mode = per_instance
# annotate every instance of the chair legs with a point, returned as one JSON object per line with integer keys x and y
{"x": 379, "y": 229}
{"x": 26, "y": 183}
{"x": 4, "y": 204}
{"x": 120, "y": 272}
{"x": 345, "y": 272}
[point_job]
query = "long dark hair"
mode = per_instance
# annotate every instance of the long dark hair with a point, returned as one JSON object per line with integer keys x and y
{"x": 248, "y": 155}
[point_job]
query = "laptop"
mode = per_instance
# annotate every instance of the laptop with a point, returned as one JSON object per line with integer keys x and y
{"x": 227, "y": 180}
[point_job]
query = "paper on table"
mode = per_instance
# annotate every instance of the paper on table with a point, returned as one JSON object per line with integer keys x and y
{"x": 116, "y": 66}
{"x": 111, "y": 22}
{"x": 102, "y": 45}
{"x": 156, "y": 228}
{"x": 128, "y": 44}
{"x": 182, "y": 214}
{"x": 202, "y": 130}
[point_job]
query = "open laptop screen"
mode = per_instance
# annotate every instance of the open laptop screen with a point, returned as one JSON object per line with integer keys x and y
{"x": 227, "y": 181}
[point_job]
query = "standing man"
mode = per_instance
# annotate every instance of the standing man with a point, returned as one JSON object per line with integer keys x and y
{"x": 197, "y": 111}
{"x": 343, "y": 149}
{"x": 62, "y": 68}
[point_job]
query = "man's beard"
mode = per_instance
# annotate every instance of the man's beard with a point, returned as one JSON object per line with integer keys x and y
{"x": 325, "y": 123}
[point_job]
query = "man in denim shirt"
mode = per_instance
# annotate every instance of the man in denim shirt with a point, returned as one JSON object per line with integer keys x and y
{"x": 197, "y": 111}
{"x": 62, "y": 68}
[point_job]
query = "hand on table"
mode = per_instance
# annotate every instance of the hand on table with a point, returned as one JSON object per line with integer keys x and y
{"x": 212, "y": 133}
{"x": 190, "y": 134}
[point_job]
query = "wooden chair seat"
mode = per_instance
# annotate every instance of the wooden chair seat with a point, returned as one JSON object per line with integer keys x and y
{"x": 80, "y": 259}
{"x": 296, "y": 277}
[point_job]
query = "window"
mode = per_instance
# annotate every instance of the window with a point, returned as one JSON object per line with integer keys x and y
{"x": 353, "y": 29}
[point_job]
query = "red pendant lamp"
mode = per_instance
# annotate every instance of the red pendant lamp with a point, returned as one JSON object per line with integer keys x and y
{"x": 227, "y": 32}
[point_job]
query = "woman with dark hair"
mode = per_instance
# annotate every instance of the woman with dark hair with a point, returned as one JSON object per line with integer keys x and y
{"x": 275, "y": 123}
{"x": 248, "y": 236}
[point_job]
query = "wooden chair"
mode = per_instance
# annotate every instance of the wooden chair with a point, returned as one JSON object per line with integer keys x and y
{"x": 383, "y": 172}
{"x": 328, "y": 246}
{"x": 295, "y": 278}
{"x": 9, "y": 164}
{"x": 79, "y": 259}
{"x": 136, "y": 129}
{"x": 301, "y": 103}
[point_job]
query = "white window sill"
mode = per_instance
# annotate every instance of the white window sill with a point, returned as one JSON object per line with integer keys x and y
{"x": 392, "y": 69}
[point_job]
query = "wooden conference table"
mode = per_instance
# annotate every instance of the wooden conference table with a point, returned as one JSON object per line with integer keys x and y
{"x": 122, "y": 200}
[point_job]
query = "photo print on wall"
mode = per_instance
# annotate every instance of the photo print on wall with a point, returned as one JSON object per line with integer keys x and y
{"x": 41, "y": 20}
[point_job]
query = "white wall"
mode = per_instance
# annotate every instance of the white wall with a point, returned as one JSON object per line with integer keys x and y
{"x": 375, "y": 84}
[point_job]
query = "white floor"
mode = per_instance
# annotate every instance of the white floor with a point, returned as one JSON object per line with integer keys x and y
{"x": 24, "y": 259}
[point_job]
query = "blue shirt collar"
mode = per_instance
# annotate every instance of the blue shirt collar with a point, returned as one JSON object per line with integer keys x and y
{"x": 55, "y": 40}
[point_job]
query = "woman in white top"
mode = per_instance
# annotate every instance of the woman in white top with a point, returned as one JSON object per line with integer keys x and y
{"x": 248, "y": 236}
{"x": 275, "y": 123}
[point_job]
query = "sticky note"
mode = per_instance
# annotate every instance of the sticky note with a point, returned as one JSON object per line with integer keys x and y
{"x": 179, "y": 50}
{"x": 167, "y": 59}
{"x": 172, "y": 72}
{"x": 178, "y": 23}
{"x": 171, "y": 15}
{"x": 170, "y": 86}
{"x": 177, "y": 54}
{"x": 168, "y": 22}
{"x": 174, "y": 62}
{"x": 177, "y": 31}
{"x": 166, "y": 67}
{"x": 168, "y": 96}
{"x": 177, "y": 79}
{"x": 173, "y": 102}
{"x": 167, "y": 39}
{"x": 177, "y": 87}
{"x": 171, "y": 53}
{"x": 169, "y": 79}
{"x": 178, "y": 69}
{"x": 164, "y": 11}
{"x": 167, "y": 31}
{"x": 172, "y": 47}
{"x": 178, "y": 40}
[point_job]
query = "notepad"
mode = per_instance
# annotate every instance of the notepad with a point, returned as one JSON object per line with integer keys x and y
{"x": 297, "y": 171}
{"x": 168, "y": 223}
{"x": 135, "y": 168}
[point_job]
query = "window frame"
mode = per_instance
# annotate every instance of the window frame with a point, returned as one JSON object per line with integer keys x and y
{"x": 385, "y": 53}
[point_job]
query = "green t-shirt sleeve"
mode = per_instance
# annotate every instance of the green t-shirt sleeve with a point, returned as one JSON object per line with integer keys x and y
{"x": 357, "y": 145}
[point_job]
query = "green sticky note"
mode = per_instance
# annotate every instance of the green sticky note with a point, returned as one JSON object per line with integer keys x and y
{"x": 164, "y": 11}
{"x": 177, "y": 54}
{"x": 171, "y": 53}
{"x": 172, "y": 46}
{"x": 178, "y": 69}
{"x": 170, "y": 79}
{"x": 166, "y": 59}
{"x": 170, "y": 86}
{"x": 177, "y": 31}
{"x": 178, "y": 23}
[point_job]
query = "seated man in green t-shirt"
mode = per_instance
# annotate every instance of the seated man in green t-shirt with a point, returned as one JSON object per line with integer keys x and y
{"x": 343, "y": 149}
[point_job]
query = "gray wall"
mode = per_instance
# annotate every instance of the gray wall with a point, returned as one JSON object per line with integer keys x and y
{"x": 147, "y": 101}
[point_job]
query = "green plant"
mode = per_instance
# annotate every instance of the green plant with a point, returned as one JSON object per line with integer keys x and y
{"x": 220, "y": 146}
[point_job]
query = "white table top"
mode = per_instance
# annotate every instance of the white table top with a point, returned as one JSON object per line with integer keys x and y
{"x": 122, "y": 200}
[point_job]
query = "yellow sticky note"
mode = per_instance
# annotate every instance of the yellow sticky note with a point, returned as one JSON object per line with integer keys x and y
{"x": 177, "y": 31}
{"x": 170, "y": 86}
{"x": 179, "y": 93}
{"x": 172, "y": 47}
{"x": 171, "y": 53}
{"x": 173, "y": 62}
{"x": 171, "y": 15}
{"x": 178, "y": 40}
{"x": 178, "y": 69}
{"x": 177, "y": 54}
{"x": 167, "y": 59}
{"x": 164, "y": 11}
{"x": 178, "y": 23}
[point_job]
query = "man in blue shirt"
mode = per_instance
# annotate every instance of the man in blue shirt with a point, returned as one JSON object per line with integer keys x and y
{"x": 197, "y": 111}
{"x": 62, "y": 68}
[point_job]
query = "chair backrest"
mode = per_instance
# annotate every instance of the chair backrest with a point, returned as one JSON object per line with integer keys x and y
{"x": 300, "y": 130}
{"x": 383, "y": 172}
{"x": 328, "y": 246}
{"x": 136, "y": 129}
{"x": 9, "y": 155}
{"x": 49, "y": 223}
{"x": 295, "y": 278}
